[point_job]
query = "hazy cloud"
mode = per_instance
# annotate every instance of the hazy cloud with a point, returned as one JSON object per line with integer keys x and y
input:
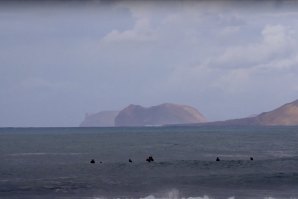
{"x": 140, "y": 32}
{"x": 275, "y": 43}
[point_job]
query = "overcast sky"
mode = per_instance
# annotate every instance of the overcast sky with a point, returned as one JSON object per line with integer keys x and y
{"x": 59, "y": 61}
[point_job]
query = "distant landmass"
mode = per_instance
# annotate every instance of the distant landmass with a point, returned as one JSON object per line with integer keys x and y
{"x": 174, "y": 114}
{"x": 136, "y": 115}
{"x": 286, "y": 115}
{"x": 164, "y": 114}
{"x": 101, "y": 119}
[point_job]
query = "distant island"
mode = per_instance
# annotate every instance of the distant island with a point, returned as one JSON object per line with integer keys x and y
{"x": 181, "y": 115}
{"x": 136, "y": 115}
{"x": 164, "y": 114}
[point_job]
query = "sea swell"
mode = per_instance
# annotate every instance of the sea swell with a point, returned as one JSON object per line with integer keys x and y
{"x": 51, "y": 165}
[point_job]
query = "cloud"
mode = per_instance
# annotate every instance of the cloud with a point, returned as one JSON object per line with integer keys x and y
{"x": 275, "y": 36}
{"x": 276, "y": 42}
{"x": 141, "y": 32}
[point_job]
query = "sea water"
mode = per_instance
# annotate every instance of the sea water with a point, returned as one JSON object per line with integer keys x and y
{"x": 55, "y": 162}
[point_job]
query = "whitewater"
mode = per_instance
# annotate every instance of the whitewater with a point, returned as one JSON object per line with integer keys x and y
{"x": 55, "y": 163}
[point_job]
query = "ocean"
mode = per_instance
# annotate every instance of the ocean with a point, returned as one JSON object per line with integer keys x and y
{"x": 55, "y": 162}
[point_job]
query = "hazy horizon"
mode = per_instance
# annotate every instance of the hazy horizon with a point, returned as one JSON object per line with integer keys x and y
{"x": 62, "y": 59}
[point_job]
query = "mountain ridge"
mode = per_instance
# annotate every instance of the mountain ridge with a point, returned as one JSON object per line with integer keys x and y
{"x": 181, "y": 115}
{"x": 163, "y": 114}
{"x": 284, "y": 115}
{"x": 137, "y": 115}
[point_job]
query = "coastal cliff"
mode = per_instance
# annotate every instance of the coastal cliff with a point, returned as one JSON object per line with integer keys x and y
{"x": 101, "y": 119}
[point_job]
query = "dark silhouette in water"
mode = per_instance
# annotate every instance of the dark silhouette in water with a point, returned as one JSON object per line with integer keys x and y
{"x": 129, "y": 160}
{"x": 92, "y": 161}
{"x": 251, "y": 158}
{"x": 100, "y": 162}
{"x": 217, "y": 159}
{"x": 150, "y": 159}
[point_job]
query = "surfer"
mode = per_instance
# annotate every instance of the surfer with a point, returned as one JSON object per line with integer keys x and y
{"x": 251, "y": 158}
{"x": 92, "y": 161}
{"x": 129, "y": 160}
{"x": 217, "y": 159}
{"x": 150, "y": 159}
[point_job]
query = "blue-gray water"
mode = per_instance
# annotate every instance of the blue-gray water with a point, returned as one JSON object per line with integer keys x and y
{"x": 55, "y": 162}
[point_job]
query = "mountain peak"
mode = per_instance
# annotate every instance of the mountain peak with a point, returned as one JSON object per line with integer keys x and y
{"x": 163, "y": 114}
{"x": 284, "y": 115}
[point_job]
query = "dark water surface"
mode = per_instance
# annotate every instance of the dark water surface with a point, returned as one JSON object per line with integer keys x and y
{"x": 55, "y": 162}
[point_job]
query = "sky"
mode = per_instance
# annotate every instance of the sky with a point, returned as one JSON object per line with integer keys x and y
{"x": 62, "y": 59}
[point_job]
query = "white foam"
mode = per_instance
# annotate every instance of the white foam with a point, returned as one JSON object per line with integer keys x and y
{"x": 174, "y": 194}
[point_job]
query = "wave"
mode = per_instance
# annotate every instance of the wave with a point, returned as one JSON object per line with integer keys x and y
{"x": 175, "y": 194}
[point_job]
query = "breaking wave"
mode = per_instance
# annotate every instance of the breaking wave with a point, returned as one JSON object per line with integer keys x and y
{"x": 174, "y": 194}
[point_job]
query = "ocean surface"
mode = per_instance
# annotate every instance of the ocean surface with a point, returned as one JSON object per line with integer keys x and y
{"x": 55, "y": 162}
